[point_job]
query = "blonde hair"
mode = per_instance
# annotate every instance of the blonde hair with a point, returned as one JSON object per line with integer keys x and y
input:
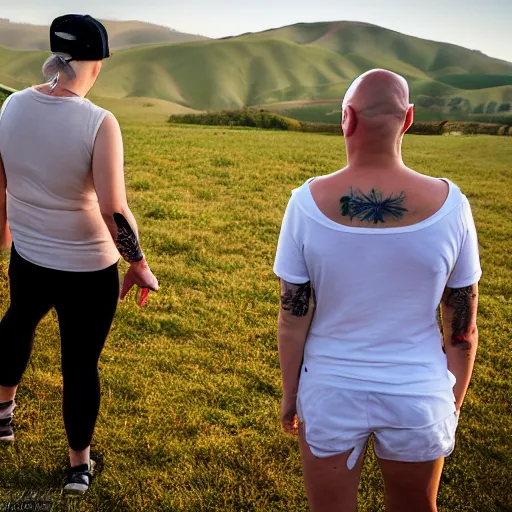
{"x": 55, "y": 65}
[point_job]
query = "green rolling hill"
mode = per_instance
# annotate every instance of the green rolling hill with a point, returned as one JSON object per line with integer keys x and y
{"x": 309, "y": 65}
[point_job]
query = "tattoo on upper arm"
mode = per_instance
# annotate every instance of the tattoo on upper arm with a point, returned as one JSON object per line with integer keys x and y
{"x": 372, "y": 207}
{"x": 439, "y": 319}
{"x": 460, "y": 300}
{"x": 126, "y": 241}
{"x": 296, "y": 298}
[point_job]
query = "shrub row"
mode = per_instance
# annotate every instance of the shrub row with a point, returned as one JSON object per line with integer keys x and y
{"x": 476, "y": 128}
{"x": 269, "y": 120}
{"x": 253, "y": 118}
{"x": 243, "y": 117}
{"x": 460, "y": 127}
{"x": 430, "y": 128}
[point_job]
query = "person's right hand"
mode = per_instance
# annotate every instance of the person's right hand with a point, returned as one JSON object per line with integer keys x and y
{"x": 140, "y": 275}
{"x": 5, "y": 239}
{"x": 289, "y": 419}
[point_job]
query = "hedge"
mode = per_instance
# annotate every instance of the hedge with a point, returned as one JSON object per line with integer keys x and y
{"x": 431, "y": 128}
{"x": 470, "y": 128}
{"x": 270, "y": 120}
{"x": 243, "y": 117}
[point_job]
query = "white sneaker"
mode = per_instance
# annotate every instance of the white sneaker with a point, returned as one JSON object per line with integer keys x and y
{"x": 79, "y": 479}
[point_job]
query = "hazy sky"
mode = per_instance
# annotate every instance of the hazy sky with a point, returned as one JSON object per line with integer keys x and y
{"x": 483, "y": 25}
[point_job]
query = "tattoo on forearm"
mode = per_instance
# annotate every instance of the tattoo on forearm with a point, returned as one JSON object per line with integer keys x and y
{"x": 460, "y": 300}
{"x": 296, "y": 298}
{"x": 372, "y": 207}
{"x": 126, "y": 241}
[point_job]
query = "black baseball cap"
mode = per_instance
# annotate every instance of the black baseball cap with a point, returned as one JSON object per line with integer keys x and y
{"x": 82, "y": 37}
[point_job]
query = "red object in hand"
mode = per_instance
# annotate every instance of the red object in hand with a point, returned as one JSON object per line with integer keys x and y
{"x": 142, "y": 296}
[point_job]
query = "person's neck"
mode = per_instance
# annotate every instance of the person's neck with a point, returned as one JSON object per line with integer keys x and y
{"x": 368, "y": 156}
{"x": 71, "y": 88}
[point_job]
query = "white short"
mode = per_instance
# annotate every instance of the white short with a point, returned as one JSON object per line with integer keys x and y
{"x": 405, "y": 428}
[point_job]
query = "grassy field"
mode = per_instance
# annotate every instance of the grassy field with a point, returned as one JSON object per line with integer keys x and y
{"x": 191, "y": 385}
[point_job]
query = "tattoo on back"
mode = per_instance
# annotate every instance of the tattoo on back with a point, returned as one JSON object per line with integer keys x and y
{"x": 372, "y": 207}
{"x": 127, "y": 242}
{"x": 296, "y": 298}
{"x": 460, "y": 300}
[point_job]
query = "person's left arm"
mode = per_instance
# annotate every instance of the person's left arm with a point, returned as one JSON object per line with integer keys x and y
{"x": 5, "y": 233}
{"x": 295, "y": 316}
{"x": 459, "y": 306}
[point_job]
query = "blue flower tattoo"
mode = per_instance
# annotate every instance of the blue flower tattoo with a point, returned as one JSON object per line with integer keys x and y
{"x": 372, "y": 207}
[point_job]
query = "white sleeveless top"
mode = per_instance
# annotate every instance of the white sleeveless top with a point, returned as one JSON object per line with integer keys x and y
{"x": 377, "y": 291}
{"x": 46, "y": 144}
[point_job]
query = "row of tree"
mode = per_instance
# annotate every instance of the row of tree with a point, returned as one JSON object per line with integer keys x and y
{"x": 463, "y": 105}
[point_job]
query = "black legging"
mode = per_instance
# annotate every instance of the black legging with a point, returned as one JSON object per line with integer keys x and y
{"x": 86, "y": 303}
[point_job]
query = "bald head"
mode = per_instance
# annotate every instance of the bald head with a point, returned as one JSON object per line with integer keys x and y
{"x": 376, "y": 114}
{"x": 378, "y": 93}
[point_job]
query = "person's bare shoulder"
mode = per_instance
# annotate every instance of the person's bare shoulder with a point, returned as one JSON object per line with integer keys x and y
{"x": 426, "y": 193}
{"x": 324, "y": 184}
{"x": 429, "y": 186}
{"x": 110, "y": 124}
{"x": 109, "y": 135}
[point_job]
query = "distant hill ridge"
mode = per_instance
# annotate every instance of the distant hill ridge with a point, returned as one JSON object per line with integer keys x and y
{"x": 122, "y": 34}
{"x": 309, "y": 64}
